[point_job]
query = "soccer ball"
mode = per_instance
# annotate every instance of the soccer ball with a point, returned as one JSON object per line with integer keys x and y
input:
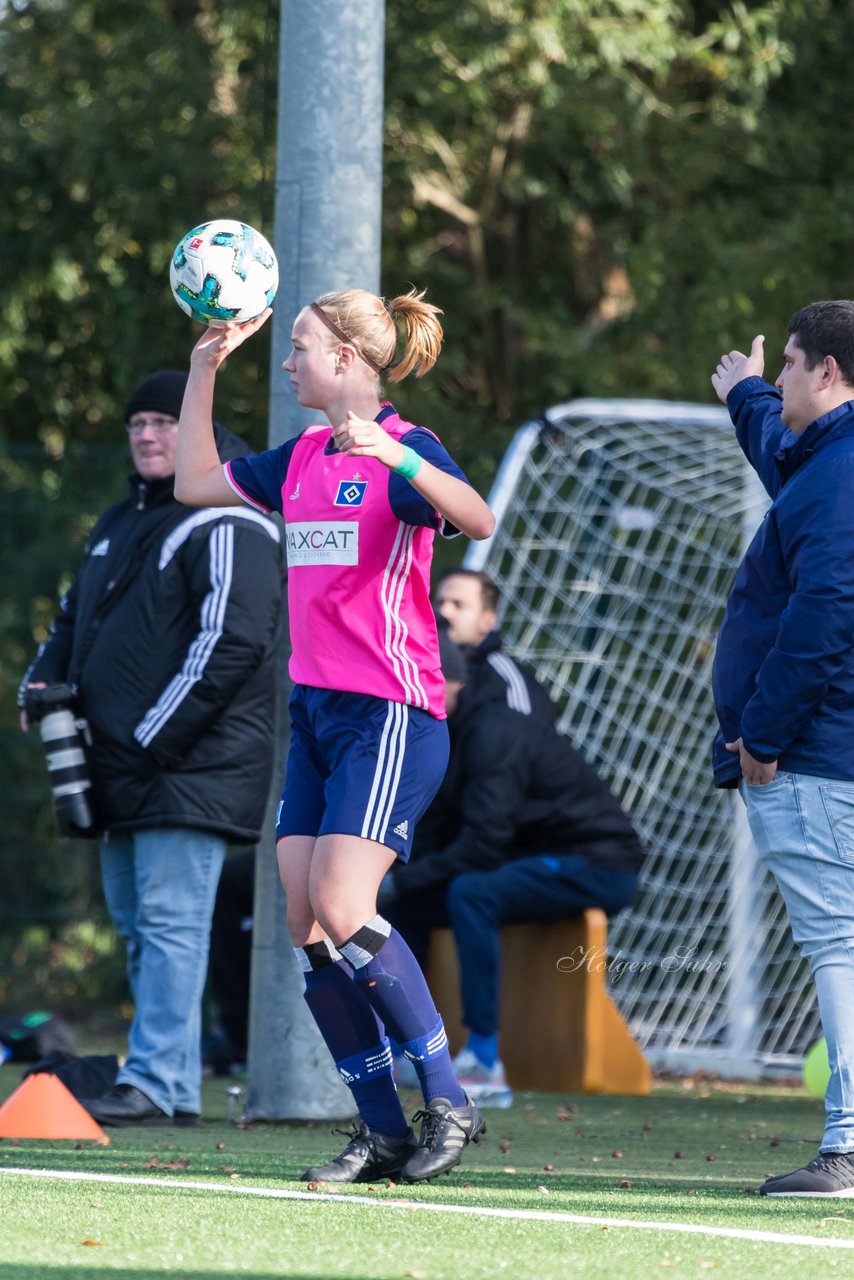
{"x": 223, "y": 272}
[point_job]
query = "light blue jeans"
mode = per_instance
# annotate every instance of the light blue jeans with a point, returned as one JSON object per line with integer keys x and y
{"x": 803, "y": 828}
{"x": 160, "y": 886}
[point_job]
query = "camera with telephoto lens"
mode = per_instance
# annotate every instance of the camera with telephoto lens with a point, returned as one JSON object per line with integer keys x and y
{"x": 65, "y": 736}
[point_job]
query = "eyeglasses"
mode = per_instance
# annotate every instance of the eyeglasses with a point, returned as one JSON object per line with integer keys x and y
{"x": 139, "y": 422}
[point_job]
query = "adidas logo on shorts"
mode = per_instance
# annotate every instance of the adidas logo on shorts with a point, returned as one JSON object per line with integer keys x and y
{"x": 402, "y": 830}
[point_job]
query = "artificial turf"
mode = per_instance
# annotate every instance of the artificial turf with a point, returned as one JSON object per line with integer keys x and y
{"x": 690, "y": 1154}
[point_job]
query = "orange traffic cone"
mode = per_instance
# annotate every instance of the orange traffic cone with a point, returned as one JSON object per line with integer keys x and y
{"x": 42, "y": 1107}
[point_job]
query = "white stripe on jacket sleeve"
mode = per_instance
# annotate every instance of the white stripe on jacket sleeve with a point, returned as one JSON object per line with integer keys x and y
{"x": 213, "y": 608}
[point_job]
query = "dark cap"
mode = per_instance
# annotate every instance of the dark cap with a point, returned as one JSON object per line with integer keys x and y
{"x": 162, "y": 392}
{"x": 452, "y": 659}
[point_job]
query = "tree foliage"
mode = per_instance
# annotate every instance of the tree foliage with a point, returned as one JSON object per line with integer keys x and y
{"x": 601, "y": 194}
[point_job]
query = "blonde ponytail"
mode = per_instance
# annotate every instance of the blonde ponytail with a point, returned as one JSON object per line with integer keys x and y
{"x": 423, "y": 335}
{"x": 366, "y": 321}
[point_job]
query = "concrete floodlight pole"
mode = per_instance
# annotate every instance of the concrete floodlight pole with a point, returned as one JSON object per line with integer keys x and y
{"x": 328, "y": 203}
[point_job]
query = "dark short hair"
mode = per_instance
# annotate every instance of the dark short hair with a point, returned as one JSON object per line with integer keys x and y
{"x": 826, "y": 329}
{"x": 489, "y": 593}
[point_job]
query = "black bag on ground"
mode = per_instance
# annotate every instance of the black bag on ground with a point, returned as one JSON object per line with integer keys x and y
{"x": 90, "y": 1076}
{"x": 30, "y": 1036}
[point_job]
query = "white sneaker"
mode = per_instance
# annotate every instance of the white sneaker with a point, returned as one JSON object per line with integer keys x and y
{"x": 486, "y": 1086}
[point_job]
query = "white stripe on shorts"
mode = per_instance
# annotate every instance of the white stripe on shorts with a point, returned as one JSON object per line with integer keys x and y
{"x": 387, "y": 773}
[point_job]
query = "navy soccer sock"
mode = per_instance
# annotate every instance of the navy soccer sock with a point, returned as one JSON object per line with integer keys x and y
{"x": 484, "y": 1048}
{"x": 392, "y": 980}
{"x": 353, "y": 1035}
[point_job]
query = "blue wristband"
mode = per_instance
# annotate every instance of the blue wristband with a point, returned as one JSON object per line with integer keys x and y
{"x": 409, "y": 465}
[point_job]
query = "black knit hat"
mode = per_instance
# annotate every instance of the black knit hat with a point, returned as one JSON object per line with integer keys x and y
{"x": 163, "y": 392}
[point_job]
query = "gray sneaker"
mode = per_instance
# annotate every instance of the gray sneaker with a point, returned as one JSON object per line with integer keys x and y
{"x": 485, "y": 1086}
{"x": 445, "y": 1133}
{"x": 830, "y": 1174}
{"x": 366, "y": 1156}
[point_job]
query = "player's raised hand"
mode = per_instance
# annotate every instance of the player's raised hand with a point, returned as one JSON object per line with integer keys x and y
{"x": 363, "y": 438}
{"x": 734, "y": 366}
{"x": 218, "y": 342}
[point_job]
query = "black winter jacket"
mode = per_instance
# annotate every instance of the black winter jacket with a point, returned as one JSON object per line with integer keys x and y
{"x": 170, "y": 632}
{"x": 514, "y": 787}
{"x": 492, "y": 670}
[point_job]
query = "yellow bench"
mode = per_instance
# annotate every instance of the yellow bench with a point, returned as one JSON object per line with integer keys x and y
{"x": 559, "y": 1030}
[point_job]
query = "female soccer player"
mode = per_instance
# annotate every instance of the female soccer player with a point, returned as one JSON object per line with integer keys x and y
{"x": 362, "y": 500}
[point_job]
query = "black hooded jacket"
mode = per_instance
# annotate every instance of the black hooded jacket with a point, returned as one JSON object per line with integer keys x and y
{"x": 170, "y": 632}
{"x": 491, "y": 668}
{"x": 514, "y": 787}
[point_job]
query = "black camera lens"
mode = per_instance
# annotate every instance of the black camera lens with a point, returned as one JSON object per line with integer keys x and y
{"x": 68, "y": 771}
{"x": 63, "y": 737}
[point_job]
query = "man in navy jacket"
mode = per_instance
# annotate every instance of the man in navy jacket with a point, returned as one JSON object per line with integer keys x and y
{"x": 784, "y": 677}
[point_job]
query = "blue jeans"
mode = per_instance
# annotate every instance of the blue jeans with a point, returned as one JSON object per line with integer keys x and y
{"x": 803, "y": 828}
{"x": 542, "y": 889}
{"x": 160, "y": 886}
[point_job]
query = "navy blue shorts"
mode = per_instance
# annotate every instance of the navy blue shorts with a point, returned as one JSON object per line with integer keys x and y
{"x": 360, "y": 766}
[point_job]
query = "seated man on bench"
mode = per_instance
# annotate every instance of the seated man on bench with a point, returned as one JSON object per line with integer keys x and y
{"x": 522, "y": 829}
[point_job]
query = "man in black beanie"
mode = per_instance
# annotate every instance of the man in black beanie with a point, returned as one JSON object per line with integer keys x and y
{"x": 168, "y": 636}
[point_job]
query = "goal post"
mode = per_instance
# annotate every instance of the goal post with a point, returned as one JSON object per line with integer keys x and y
{"x": 620, "y": 524}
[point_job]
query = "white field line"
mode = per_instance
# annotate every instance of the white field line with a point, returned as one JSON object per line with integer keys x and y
{"x": 369, "y": 1202}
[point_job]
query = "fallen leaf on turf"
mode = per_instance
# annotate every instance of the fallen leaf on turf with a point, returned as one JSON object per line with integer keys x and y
{"x": 706, "y": 1264}
{"x": 176, "y": 1164}
{"x": 625, "y": 1183}
{"x": 226, "y": 1168}
{"x": 548, "y": 1168}
{"x": 153, "y": 1163}
{"x": 544, "y": 1190}
{"x": 416, "y": 1275}
{"x": 509, "y": 1169}
{"x": 96, "y": 1204}
{"x": 89, "y": 1242}
{"x": 234, "y": 1177}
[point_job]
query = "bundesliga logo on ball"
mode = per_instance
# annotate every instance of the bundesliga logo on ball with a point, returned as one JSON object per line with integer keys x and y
{"x": 223, "y": 272}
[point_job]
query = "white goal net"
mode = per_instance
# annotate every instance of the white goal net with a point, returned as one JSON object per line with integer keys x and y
{"x": 620, "y": 525}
